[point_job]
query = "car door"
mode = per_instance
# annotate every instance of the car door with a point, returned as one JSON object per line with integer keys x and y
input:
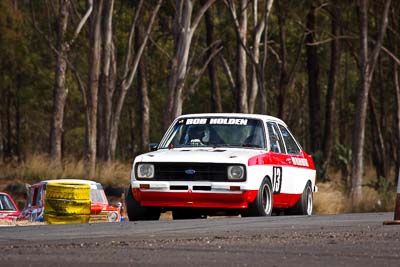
{"x": 297, "y": 170}
{"x": 278, "y": 157}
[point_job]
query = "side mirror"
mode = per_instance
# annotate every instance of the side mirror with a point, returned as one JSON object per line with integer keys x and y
{"x": 153, "y": 146}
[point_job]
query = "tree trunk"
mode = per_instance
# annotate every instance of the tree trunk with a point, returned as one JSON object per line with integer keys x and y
{"x": 184, "y": 29}
{"x": 143, "y": 93}
{"x": 367, "y": 66}
{"x": 183, "y": 39}
{"x": 243, "y": 51}
{"x": 18, "y": 119}
{"x": 396, "y": 84}
{"x": 257, "y": 31}
{"x": 241, "y": 73}
{"x": 283, "y": 79}
{"x": 107, "y": 83}
{"x": 330, "y": 102}
{"x": 133, "y": 130}
{"x": 212, "y": 66}
{"x": 60, "y": 90}
{"x": 397, "y": 90}
{"x": 378, "y": 142}
{"x": 313, "y": 87}
{"x": 262, "y": 67}
{"x": 93, "y": 88}
{"x": 131, "y": 67}
{"x": 8, "y": 142}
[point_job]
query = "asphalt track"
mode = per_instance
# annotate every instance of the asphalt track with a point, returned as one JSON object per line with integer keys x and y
{"x": 319, "y": 240}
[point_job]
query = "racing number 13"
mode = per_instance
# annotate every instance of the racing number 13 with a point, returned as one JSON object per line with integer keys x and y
{"x": 277, "y": 179}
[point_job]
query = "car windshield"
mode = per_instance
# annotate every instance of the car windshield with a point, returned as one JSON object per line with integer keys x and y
{"x": 97, "y": 195}
{"x": 216, "y": 132}
{"x": 6, "y": 203}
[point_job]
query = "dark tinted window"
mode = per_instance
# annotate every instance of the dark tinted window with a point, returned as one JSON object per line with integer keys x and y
{"x": 5, "y": 203}
{"x": 275, "y": 140}
{"x": 37, "y": 196}
{"x": 291, "y": 145}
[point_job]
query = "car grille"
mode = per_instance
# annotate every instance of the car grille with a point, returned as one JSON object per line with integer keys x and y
{"x": 172, "y": 171}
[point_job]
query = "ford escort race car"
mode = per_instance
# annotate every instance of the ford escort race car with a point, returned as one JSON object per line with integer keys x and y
{"x": 209, "y": 164}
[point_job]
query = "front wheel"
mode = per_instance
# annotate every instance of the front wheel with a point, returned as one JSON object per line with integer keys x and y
{"x": 138, "y": 213}
{"x": 262, "y": 206}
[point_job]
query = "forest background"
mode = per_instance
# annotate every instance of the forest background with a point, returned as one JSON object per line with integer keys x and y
{"x": 85, "y": 85}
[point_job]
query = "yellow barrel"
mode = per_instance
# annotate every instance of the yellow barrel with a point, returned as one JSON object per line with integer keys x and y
{"x": 68, "y": 191}
{"x": 67, "y": 206}
{"x": 65, "y": 219}
{"x": 67, "y": 203}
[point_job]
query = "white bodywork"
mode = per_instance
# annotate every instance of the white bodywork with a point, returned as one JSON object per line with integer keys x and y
{"x": 294, "y": 176}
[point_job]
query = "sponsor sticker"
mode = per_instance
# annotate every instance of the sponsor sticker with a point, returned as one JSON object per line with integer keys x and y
{"x": 300, "y": 161}
{"x": 196, "y": 121}
{"x": 221, "y": 121}
{"x": 228, "y": 121}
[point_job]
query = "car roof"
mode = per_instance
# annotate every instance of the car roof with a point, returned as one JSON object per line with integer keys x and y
{"x": 237, "y": 115}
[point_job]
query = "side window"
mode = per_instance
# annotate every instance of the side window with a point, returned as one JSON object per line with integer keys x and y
{"x": 37, "y": 196}
{"x": 291, "y": 145}
{"x": 275, "y": 140}
{"x": 39, "y": 200}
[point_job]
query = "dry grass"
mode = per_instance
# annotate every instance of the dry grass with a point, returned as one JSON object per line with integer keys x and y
{"x": 39, "y": 167}
{"x": 330, "y": 199}
{"x": 374, "y": 201}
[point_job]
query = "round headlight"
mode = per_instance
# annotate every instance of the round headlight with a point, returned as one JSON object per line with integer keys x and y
{"x": 112, "y": 216}
{"x": 235, "y": 172}
{"x": 145, "y": 171}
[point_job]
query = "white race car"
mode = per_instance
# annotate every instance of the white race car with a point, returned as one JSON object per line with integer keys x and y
{"x": 213, "y": 164}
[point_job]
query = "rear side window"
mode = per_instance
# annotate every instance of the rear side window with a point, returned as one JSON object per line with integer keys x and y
{"x": 37, "y": 196}
{"x": 6, "y": 204}
{"x": 291, "y": 145}
{"x": 275, "y": 140}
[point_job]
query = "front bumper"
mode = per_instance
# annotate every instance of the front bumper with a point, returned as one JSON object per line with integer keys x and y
{"x": 214, "y": 200}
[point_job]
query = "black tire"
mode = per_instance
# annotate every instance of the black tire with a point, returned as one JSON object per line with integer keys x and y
{"x": 138, "y": 213}
{"x": 263, "y": 204}
{"x": 305, "y": 204}
{"x": 186, "y": 214}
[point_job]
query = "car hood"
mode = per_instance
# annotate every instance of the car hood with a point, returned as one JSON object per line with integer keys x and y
{"x": 214, "y": 155}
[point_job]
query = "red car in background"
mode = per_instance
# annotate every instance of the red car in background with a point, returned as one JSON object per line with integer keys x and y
{"x": 8, "y": 209}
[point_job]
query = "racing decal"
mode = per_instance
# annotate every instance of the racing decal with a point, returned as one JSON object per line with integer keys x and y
{"x": 276, "y": 179}
{"x": 300, "y": 161}
{"x": 196, "y": 121}
{"x": 228, "y": 121}
{"x": 224, "y": 121}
